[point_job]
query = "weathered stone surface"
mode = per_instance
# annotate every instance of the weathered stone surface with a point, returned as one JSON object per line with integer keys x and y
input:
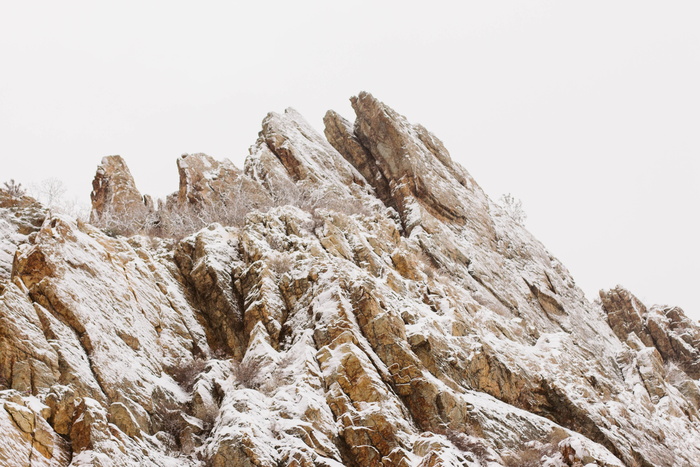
{"x": 208, "y": 184}
{"x": 626, "y": 314}
{"x": 19, "y": 219}
{"x": 120, "y": 415}
{"x": 355, "y": 300}
{"x": 340, "y": 134}
{"x": 417, "y": 167}
{"x": 89, "y": 426}
{"x": 114, "y": 196}
{"x": 675, "y": 336}
{"x": 27, "y": 438}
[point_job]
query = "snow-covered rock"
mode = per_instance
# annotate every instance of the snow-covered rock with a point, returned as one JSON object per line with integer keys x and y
{"x": 360, "y": 301}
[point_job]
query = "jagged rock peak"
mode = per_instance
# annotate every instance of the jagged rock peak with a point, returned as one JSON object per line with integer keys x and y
{"x": 204, "y": 179}
{"x": 667, "y": 329}
{"x": 114, "y": 191}
{"x": 355, "y": 301}
{"x": 408, "y": 166}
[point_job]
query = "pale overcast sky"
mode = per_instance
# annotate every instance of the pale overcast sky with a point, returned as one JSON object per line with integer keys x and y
{"x": 587, "y": 111}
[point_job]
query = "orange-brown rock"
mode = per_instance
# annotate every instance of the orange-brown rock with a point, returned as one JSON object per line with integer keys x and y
{"x": 354, "y": 300}
{"x": 114, "y": 196}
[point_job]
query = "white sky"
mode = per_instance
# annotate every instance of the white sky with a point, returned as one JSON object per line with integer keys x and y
{"x": 587, "y": 111}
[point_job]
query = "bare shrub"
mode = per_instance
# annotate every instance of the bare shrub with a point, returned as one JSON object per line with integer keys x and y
{"x": 467, "y": 443}
{"x": 186, "y": 375}
{"x": 49, "y": 192}
{"x": 280, "y": 263}
{"x": 123, "y": 219}
{"x": 311, "y": 200}
{"x": 13, "y": 195}
{"x": 209, "y": 416}
{"x": 167, "y": 417}
{"x": 533, "y": 453}
{"x": 175, "y": 223}
{"x": 172, "y": 423}
{"x": 279, "y": 375}
{"x": 349, "y": 207}
{"x": 14, "y": 189}
{"x": 531, "y": 456}
{"x": 514, "y": 208}
{"x": 174, "y": 220}
{"x": 276, "y": 243}
{"x": 247, "y": 372}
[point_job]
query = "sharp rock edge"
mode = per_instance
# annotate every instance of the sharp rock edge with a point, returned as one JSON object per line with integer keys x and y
{"x": 348, "y": 300}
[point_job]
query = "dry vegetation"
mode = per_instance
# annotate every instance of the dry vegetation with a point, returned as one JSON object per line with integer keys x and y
{"x": 14, "y": 189}
{"x": 247, "y": 372}
{"x": 469, "y": 444}
{"x": 186, "y": 375}
{"x": 172, "y": 220}
{"x": 534, "y": 453}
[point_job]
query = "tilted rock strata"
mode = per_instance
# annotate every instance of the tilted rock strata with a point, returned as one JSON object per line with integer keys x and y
{"x": 368, "y": 305}
{"x": 114, "y": 193}
{"x": 667, "y": 329}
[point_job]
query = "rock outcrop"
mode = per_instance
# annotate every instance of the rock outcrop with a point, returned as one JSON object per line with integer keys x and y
{"x": 354, "y": 300}
{"x": 667, "y": 329}
{"x": 115, "y": 199}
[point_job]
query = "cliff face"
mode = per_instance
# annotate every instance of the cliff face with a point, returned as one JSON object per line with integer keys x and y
{"x": 361, "y": 302}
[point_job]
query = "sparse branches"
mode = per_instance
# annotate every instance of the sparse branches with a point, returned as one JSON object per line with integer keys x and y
{"x": 536, "y": 453}
{"x": 50, "y": 192}
{"x": 467, "y": 443}
{"x": 14, "y": 189}
{"x": 230, "y": 208}
{"x": 514, "y": 208}
{"x": 280, "y": 262}
{"x": 119, "y": 221}
{"x": 186, "y": 375}
{"x": 247, "y": 372}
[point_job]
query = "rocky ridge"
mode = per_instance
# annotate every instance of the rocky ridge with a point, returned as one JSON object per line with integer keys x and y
{"x": 348, "y": 300}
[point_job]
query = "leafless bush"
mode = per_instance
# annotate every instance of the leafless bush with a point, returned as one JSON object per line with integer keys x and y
{"x": 348, "y": 207}
{"x": 172, "y": 423}
{"x": 467, "y": 443}
{"x": 14, "y": 189}
{"x": 186, "y": 375}
{"x": 209, "y": 417}
{"x": 531, "y": 456}
{"x": 532, "y": 453}
{"x": 514, "y": 208}
{"x": 167, "y": 417}
{"x": 311, "y": 200}
{"x": 175, "y": 220}
{"x": 247, "y": 372}
{"x": 174, "y": 223}
{"x": 50, "y": 192}
{"x": 280, "y": 262}
{"x": 231, "y": 209}
{"x": 276, "y": 243}
{"x": 123, "y": 219}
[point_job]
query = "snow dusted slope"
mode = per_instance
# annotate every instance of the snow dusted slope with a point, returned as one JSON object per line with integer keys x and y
{"x": 371, "y": 307}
